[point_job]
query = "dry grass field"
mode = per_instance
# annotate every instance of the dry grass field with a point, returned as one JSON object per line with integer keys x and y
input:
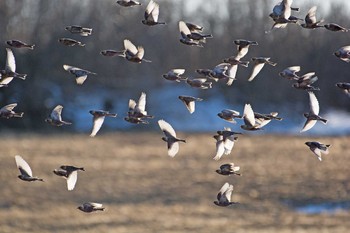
{"x": 144, "y": 190}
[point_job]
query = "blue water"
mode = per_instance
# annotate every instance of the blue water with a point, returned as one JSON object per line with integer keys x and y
{"x": 325, "y": 207}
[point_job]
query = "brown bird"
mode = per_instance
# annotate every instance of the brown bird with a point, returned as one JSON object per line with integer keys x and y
{"x": 189, "y": 102}
{"x": 19, "y": 44}
{"x": 98, "y": 119}
{"x": 224, "y": 196}
{"x": 89, "y": 207}
{"x": 70, "y": 173}
{"x": 318, "y": 148}
{"x": 26, "y": 172}
{"x": 76, "y": 29}
{"x": 7, "y": 111}
{"x": 70, "y": 42}
{"x": 335, "y": 27}
{"x": 128, "y": 3}
{"x": 228, "y": 169}
{"x": 151, "y": 14}
{"x": 55, "y": 117}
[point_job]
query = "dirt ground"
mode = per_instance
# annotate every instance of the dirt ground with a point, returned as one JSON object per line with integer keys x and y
{"x": 144, "y": 190}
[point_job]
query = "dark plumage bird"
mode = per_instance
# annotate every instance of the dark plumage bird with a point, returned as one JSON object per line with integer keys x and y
{"x": 175, "y": 75}
{"x": 228, "y": 169}
{"x": 194, "y": 27}
{"x": 19, "y": 44}
{"x": 224, "y": 196}
{"x": 7, "y": 111}
{"x": 80, "y": 74}
{"x": 310, "y": 19}
{"x": 170, "y": 137}
{"x": 318, "y": 149}
{"x": 76, "y": 29}
{"x": 55, "y": 117}
{"x": 335, "y": 27}
{"x": 112, "y": 53}
{"x": 343, "y": 53}
{"x": 186, "y": 36}
{"x": 128, "y": 3}
{"x": 345, "y": 87}
{"x": 201, "y": 83}
{"x": 290, "y": 73}
{"x": 305, "y": 82}
{"x": 312, "y": 116}
{"x": 204, "y": 72}
{"x": 26, "y": 172}
{"x": 89, "y": 207}
{"x": 9, "y": 73}
{"x": 70, "y": 173}
{"x": 151, "y": 14}
{"x": 98, "y": 119}
{"x": 70, "y": 42}
{"x": 189, "y": 102}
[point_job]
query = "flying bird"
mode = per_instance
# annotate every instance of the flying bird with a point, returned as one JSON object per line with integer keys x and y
{"x": 312, "y": 116}
{"x": 7, "y": 75}
{"x": 170, "y": 138}
{"x": 345, "y": 87}
{"x": 290, "y": 73}
{"x": 228, "y": 169}
{"x": 310, "y": 19}
{"x": 89, "y": 207}
{"x": 259, "y": 63}
{"x": 243, "y": 47}
{"x": 225, "y": 141}
{"x": 201, "y": 83}
{"x": 318, "y": 149}
{"x": 189, "y": 102}
{"x": 151, "y": 14}
{"x": 224, "y": 196}
{"x": 98, "y": 119}
{"x": 133, "y": 54}
{"x": 55, "y": 117}
{"x": 112, "y": 53}
{"x": 186, "y": 34}
{"x": 70, "y": 173}
{"x": 70, "y": 42}
{"x": 128, "y": 3}
{"x": 19, "y": 44}
{"x": 26, "y": 172}
{"x": 305, "y": 82}
{"x": 137, "y": 111}
{"x": 80, "y": 74}
{"x": 343, "y": 53}
{"x": 229, "y": 115}
{"x": 175, "y": 75}
{"x": 194, "y": 27}
{"x": 249, "y": 119}
{"x": 7, "y": 111}
{"x": 335, "y": 27}
{"x": 76, "y": 29}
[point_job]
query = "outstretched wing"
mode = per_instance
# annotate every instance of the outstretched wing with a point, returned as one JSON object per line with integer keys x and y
{"x": 23, "y": 166}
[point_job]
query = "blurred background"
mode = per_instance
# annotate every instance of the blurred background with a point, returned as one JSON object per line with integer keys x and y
{"x": 43, "y": 22}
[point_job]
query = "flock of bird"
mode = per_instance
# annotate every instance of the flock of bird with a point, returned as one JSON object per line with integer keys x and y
{"x": 191, "y": 35}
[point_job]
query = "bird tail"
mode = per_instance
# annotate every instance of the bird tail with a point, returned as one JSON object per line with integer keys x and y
{"x": 145, "y": 60}
{"x": 18, "y": 114}
{"x": 21, "y": 76}
{"x": 323, "y": 120}
{"x": 271, "y": 63}
{"x": 30, "y": 46}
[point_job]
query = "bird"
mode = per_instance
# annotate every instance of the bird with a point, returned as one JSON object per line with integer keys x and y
{"x": 89, "y": 207}
{"x": 225, "y": 141}
{"x": 170, "y": 137}
{"x": 229, "y": 115}
{"x": 98, "y": 119}
{"x": 259, "y": 63}
{"x": 19, "y": 44}
{"x": 263, "y": 119}
{"x": 225, "y": 71}
{"x": 194, "y": 27}
{"x": 128, "y": 3}
{"x": 310, "y": 19}
{"x": 224, "y": 196}
{"x": 281, "y": 14}
{"x": 290, "y": 73}
{"x": 24, "y": 168}
{"x": 137, "y": 111}
{"x": 201, "y": 83}
{"x": 243, "y": 47}
{"x": 151, "y": 14}
{"x": 343, "y": 53}
{"x": 70, "y": 173}
{"x": 80, "y": 74}
{"x": 175, "y": 75}
{"x": 112, "y": 53}
{"x": 7, "y": 75}
{"x": 304, "y": 82}
{"x": 76, "y": 29}
{"x": 189, "y": 102}
{"x": 186, "y": 34}
{"x": 335, "y": 27}
{"x": 345, "y": 87}
{"x": 312, "y": 116}
{"x": 193, "y": 34}
{"x": 70, "y": 42}
{"x": 55, "y": 117}
{"x": 133, "y": 54}
{"x": 204, "y": 72}
{"x": 318, "y": 148}
{"x": 228, "y": 169}
{"x": 7, "y": 111}
{"x": 249, "y": 119}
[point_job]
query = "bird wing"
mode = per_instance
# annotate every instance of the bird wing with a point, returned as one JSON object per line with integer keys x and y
{"x": 308, "y": 125}
{"x": 183, "y": 28}
{"x": 167, "y": 128}
{"x": 81, "y": 79}
{"x": 68, "y": 67}
{"x": 56, "y": 113}
{"x": 221, "y": 197}
{"x": 317, "y": 152}
{"x": 141, "y": 105}
{"x": 140, "y": 52}
{"x": 130, "y": 47}
{"x": 155, "y": 12}
{"x": 72, "y": 180}
{"x": 257, "y": 68}
{"x": 228, "y": 144}
{"x": 8, "y": 107}
{"x": 177, "y": 72}
{"x": 190, "y": 105}
{"x": 310, "y": 18}
{"x": 97, "y": 123}
{"x": 95, "y": 205}
{"x": 248, "y": 115}
{"x": 228, "y": 193}
{"x": 173, "y": 148}
{"x": 314, "y": 105}
{"x": 132, "y": 104}
{"x": 10, "y": 61}
{"x": 220, "y": 149}
{"x": 23, "y": 166}
{"x": 149, "y": 9}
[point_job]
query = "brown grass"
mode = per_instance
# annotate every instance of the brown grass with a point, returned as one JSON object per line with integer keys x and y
{"x": 145, "y": 191}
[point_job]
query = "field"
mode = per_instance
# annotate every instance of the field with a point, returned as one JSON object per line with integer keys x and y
{"x": 144, "y": 190}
